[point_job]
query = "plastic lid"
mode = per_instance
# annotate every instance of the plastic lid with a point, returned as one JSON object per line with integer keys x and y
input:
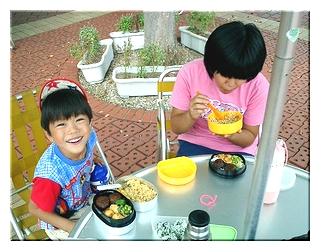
{"x": 199, "y": 218}
{"x": 177, "y": 171}
{"x": 222, "y": 233}
{"x": 99, "y": 173}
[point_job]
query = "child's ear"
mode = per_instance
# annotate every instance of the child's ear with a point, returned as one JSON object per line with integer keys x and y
{"x": 48, "y": 136}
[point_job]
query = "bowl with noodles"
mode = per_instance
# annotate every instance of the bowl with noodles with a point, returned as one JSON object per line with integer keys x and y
{"x": 231, "y": 123}
{"x": 142, "y": 194}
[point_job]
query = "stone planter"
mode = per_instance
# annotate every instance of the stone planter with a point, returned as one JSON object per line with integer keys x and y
{"x": 191, "y": 40}
{"x": 95, "y": 73}
{"x": 119, "y": 38}
{"x": 137, "y": 86}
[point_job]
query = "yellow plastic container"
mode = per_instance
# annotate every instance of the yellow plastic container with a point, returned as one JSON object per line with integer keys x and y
{"x": 177, "y": 171}
{"x": 222, "y": 129}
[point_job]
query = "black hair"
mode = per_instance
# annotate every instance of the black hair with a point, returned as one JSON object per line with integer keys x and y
{"x": 235, "y": 50}
{"x": 63, "y": 104}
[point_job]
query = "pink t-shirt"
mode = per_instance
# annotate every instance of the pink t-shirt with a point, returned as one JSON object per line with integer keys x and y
{"x": 250, "y": 99}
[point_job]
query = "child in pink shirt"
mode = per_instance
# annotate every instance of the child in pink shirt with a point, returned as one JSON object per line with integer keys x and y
{"x": 229, "y": 78}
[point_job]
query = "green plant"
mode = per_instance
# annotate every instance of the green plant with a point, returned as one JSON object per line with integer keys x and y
{"x": 125, "y": 23}
{"x": 142, "y": 72}
{"x": 128, "y": 22}
{"x": 141, "y": 21}
{"x": 152, "y": 55}
{"x": 199, "y": 21}
{"x": 127, "y": 55}
{"x": 87, "y": 47}
{"x": 176, "y": 17}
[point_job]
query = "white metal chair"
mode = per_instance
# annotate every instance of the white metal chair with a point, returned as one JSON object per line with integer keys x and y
{"x": 167, "y": 142}
{"x": 27, "y": 144}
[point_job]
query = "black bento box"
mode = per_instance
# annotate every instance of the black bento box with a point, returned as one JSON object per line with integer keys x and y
{"x": 227, "y": 165}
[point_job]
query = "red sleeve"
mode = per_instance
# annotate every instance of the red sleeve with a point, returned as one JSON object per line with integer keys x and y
{"x": 45, "y": 193}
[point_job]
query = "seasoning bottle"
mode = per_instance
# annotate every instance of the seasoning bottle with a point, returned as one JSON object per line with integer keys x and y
{"x": 198, "y": 226}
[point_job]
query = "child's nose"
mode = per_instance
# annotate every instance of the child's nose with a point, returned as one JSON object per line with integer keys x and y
{"x": 73, "y": 127}
{"x": 231, "y": 82}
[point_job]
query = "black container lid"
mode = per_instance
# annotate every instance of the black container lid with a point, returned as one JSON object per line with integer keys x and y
{"x": 199, "y": 218}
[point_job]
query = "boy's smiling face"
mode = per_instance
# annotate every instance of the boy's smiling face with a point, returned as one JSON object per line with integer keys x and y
{"x": 71, "y": 136}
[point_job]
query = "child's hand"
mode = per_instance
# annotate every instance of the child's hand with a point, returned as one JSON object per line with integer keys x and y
{"x": 97, "y": 160}
{"x": 198, "y": 105}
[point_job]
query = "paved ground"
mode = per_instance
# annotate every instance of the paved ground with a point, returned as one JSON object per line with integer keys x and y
{"x": 128, "y": 136}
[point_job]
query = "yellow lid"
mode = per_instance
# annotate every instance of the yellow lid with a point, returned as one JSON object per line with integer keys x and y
{"x": 177, "y": 171}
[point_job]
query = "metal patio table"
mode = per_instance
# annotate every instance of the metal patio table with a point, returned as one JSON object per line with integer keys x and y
{"x": 285, "y": 219}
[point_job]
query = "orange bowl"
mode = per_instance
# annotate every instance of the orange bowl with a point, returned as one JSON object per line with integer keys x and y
{"x": 224, "y": 126}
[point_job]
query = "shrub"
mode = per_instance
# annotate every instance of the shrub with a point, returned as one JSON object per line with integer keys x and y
{"x": 88, "y": 43}
{"x": 200, "y": 22}
{"x": 131, "y": 23}
{"x": 152, "y": 55}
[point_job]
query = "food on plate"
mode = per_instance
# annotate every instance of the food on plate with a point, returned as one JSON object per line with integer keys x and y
{"x": 231, "y": 162}
{"x": 102, "y": 202}
{"x": 229, "y": 167}
{"x": 225, "y": 157}
{"x": 171, "y": 231}
{"x": 137, "y": 191}
{"x": 218, "y": 163}
{"x": 229, "y": 118}
{"x": 114, "y": 197}
{"x": 118, "y": 210}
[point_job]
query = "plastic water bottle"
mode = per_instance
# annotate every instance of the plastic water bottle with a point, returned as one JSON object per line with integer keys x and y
{"x": 275, "y": 174}
{"x": 99, "y": 176}
{"x": 198, "y": 226}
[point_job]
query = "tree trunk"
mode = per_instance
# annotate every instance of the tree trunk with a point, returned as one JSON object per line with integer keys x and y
{"x": 159, "y": 29}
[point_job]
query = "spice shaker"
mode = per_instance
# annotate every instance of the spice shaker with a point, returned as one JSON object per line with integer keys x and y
{"x": 198, "y": 226}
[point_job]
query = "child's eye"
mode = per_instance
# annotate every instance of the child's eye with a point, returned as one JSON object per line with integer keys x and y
{"x": 79, "y": 119}
{"x": 60, "y": 124}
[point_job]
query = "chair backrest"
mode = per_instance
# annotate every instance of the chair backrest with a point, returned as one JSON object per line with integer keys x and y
{"x": 27, "y": 144}
{"x": 167, "y": 140}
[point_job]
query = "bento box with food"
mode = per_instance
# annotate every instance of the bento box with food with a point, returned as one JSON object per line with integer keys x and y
{"x": 115, "y": 210}
{"x": 227, "y": 165}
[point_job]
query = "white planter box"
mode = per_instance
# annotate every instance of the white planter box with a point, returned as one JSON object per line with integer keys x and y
{"x": 191, "y": 40}
{"x": 95, "y": 73}
{"x": 120, "y": 38}
{"x": 138, "y": 86}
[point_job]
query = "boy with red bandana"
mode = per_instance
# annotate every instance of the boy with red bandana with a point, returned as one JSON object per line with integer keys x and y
{"x": 61, "y": 180}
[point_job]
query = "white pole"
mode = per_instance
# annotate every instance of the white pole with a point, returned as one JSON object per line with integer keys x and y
{"x": 280, "y": 77}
